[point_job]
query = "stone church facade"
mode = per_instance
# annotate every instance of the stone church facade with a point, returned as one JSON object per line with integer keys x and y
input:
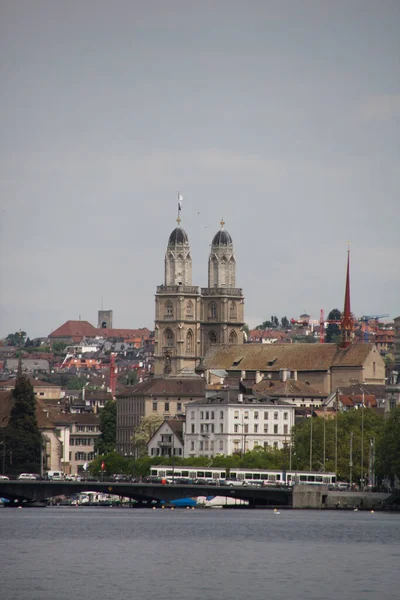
{"x": 189, "y": 319}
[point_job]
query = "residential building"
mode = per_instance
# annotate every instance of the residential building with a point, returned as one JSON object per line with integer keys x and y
{"x": 168, "y": 439}
{"x": 165, "y": 397}
{"x": 73, "y": 332}
{"x": 292, "y": 391}
{"x": 233, "y": 422}
{"x": 28, "y": 365}
{"x": 268, "y": 336}
{"x": 85, "y": 429}
{"x": 42, "y": 389}
{"x": 384, "y": 340}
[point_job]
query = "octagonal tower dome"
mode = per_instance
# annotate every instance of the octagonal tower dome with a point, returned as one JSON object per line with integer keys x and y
{"x": 222, "y": 262}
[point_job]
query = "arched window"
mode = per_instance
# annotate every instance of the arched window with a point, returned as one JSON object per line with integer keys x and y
{"x": 212, "y": 337}
{"x": 233, "y": 337}
{"x": 168, "y": 338}
{"x": 189, "y": 309}
{"x": 169, "y": 309}
{"x": 214, "y": 272}
{"x": 232, "y": 311}
{"x": 212, "y": 310}
{"x": 189, "y": 342}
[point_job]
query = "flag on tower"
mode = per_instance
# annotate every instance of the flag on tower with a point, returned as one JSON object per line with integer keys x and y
{"x": 180, "y": 198}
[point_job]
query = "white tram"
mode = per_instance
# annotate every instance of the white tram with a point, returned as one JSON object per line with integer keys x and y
{"x": 245, "y": 476}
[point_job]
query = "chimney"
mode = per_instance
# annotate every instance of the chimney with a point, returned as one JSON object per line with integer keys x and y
{"x": 259, "y": 377}
{"x": 240, "y": 398}
{"x": 294, "y": 375}
{"x": 242, "y": 375}
{"x": 283, "y": 374}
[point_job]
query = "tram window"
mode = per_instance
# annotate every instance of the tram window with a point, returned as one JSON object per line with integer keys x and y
{"x": 233, "y": 475}
{"x": 208, "y": 474}
{"x": 248, "y": 476}
{"x": 319, "y": 479}
{"x": 264, "y": 475}
{"x": 278, "y": 477}
{"x": 200, "y": 473}
{"x": 289, "y": 478}
{"x": 303, "y": 477}
{"x": 311, "y": 478}
{"x": 256, "y": 476}
{"x": 185, "y": 473}
{"x": 153, "y": 472}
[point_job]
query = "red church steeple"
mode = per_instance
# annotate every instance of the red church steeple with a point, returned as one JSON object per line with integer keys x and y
{"x": 347, "y": 323}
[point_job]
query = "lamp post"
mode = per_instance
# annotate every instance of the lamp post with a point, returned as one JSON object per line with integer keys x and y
{"x": 351, "y": 459}
{"x": 336, "y": 432}
{"x": 311, "y": 439}
{"x": 324, "y": 449}
{"x": 362, "y": 445}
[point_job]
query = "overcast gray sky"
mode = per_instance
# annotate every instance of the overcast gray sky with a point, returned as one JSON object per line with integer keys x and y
{"x": 282, "y": 117}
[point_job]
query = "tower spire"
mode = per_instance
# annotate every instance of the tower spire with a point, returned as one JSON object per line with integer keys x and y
{"x": 347, "y": 323}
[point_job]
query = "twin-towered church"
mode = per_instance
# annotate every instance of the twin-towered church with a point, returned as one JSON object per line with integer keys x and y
{"x": 190, "y": 319}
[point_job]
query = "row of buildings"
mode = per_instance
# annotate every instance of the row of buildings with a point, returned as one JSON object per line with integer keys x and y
{"x": 213, "y": 393}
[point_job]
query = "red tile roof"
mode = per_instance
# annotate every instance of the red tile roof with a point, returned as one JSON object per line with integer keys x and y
{"x": 76, "y": 330}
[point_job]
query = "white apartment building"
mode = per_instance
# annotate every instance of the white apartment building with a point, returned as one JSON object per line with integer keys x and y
{"x": 231, "y": 422}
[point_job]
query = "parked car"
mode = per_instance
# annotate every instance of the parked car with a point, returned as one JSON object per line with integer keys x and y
{"x": 119, "y": 478}
{"x": 4, "y": 478}
{"x": 56, "y": 475}
{"x": 73, "y": 478}
{"x": 153, "y": 479}
{"x": 235, "y": 482}
{"x": 30, "y": 476}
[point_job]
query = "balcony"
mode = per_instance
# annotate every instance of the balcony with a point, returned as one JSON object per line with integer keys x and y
{"x": 177, "y": 289}
{"x": 221, "y": 291}
{"x": 164, "y": 444}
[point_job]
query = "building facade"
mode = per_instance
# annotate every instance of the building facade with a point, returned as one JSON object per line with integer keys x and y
{"x": 234, "y": 423}
{"x": 161, "y": 397}
{"x": 189, "y": 319}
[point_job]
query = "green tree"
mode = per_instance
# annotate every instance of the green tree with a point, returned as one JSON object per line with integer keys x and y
{"x": 285, "y": 323}
{"x": 128, "y": 378}
{"x": 265, "y": 325}
{"x": 388, "y": 450}
{"x": 332, "y": 332}
{"x": 144, "y": 432}
{"x": 76, "y": 382}
{"x": 16, "y": 339}
{"x": 58, "y": 347}
{"x": 363, "y": 425}
{"x": 22, "y": 433}
{"x": 113, "y": 462}
{"x": 108, "y": 427}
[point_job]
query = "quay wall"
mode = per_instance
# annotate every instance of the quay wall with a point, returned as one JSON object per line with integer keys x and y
{"x": 311, "y": 496}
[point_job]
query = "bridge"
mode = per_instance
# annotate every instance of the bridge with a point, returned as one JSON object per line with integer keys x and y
{"x": 41, "y": 491}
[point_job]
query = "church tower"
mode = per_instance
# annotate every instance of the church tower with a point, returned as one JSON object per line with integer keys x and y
{"x": 222, "y": 311}
{"x": 177, "y": 326}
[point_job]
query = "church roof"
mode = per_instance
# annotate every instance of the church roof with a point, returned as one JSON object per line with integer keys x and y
{"x": 296, "y": 357}
{"x": 222, "y": 238}
{"x": 178, "y": 236}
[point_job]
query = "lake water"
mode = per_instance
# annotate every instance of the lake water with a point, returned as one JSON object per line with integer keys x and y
{"x": 203, "y": 554}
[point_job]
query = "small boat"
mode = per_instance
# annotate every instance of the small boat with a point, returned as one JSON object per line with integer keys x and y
{"x": 276, "y": 511}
